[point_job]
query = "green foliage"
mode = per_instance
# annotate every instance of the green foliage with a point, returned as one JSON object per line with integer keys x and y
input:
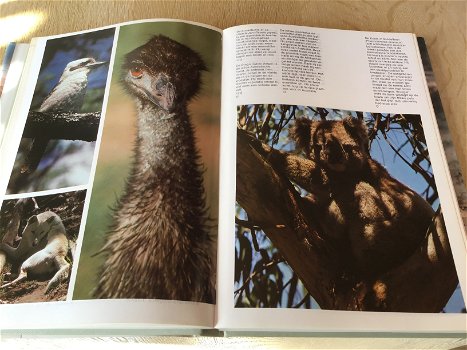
{"x": 262, "y": 277}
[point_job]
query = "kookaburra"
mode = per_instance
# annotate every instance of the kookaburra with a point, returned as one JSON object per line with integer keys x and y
{"x": 66, "y": 96}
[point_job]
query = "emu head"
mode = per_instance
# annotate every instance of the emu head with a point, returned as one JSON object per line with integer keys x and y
{"x": 163, "y": 72}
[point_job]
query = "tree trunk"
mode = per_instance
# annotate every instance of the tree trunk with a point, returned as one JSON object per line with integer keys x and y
{"x": 423, "y": 283}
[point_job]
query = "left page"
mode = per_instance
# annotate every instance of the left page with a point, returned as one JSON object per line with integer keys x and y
{"x": 12, "y": 68}
{"x": 109, "y": 180}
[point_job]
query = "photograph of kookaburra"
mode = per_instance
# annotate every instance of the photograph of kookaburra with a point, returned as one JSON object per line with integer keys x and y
{"x": 158, "y": 240}
{"x": 58, "y": 141}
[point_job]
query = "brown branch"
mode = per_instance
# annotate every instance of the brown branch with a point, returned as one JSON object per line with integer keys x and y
{"x": 255, "y": 273}
{"x": 293, "y": 288}
{"x": 270, "y": 109}
{"x": 65, "y": 126}
{"x": 275, "y": 136}
{"x": 271, "y": 202}
{"x": 423, "y": 283}
{"x": 429, "y": 179}
{"x": 247, "y": 224}
{"x": 243, "y": 113}
{"x": 254, "y": 240}
{"x": 323, "y": 112}
{"x": 307, "y": 295}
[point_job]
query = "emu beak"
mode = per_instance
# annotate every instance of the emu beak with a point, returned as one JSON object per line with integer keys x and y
{"x": 162, "y": 93}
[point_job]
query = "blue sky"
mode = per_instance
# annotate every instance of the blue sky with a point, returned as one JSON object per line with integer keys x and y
{"x": 384, "y": 154}
{"x": 74, "y": 47}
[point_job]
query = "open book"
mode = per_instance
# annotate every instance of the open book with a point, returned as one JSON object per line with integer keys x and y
{"x": 170, "y": 175}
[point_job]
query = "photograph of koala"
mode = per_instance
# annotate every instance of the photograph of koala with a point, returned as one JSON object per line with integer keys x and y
{"x": 338, "y": 210}
{"x": 37, "y": 246}
{"x": 152, "y": 226}
{"x": 58, "y": 141}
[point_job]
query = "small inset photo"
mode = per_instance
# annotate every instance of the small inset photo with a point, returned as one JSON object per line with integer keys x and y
{"x": 57, "y": 145}
{"x": 37, "y": 246}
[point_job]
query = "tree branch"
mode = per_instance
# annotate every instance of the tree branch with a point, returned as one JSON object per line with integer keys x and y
{"x": 423, "y": 283}
{"x": 65, "y": 126}
{"x": 271, "y": 202}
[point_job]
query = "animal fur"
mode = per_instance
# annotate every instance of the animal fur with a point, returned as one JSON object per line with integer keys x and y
{"x": 42, "y": 250}
{"x": 158, "y": 246}
{"x": 375, "y": 221}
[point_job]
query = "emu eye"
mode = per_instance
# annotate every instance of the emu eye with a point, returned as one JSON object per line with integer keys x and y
{"x": 136, "y": 72}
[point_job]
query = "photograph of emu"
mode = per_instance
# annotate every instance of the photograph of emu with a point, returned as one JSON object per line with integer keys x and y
{"x": 354, "y": 195}
{"x": 58, "y": 140}
{"x": 158, "y": 246}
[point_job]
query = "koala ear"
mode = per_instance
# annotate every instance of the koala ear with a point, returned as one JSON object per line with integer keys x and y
{"x": 350, "y": 122}
{"x": 50, "y": 219}
{"x": 301, "y": 132}
{"x": 357, "y": 129}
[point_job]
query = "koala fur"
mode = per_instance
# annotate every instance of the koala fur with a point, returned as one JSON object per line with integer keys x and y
{"x": 374, "y": 220}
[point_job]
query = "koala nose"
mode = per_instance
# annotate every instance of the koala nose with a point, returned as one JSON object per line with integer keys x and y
{"x": 334, "y": 152}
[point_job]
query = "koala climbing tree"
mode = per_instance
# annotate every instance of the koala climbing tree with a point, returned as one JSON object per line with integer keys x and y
{"x": 356, "y": 237}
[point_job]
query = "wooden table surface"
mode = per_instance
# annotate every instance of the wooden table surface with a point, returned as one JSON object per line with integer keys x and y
{"x": 441, "y": 23}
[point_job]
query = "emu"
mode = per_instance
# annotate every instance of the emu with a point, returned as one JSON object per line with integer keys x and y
{"x": 158, "y": 246}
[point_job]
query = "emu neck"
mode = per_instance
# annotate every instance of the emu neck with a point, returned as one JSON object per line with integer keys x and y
{"x": 162, "y": 137}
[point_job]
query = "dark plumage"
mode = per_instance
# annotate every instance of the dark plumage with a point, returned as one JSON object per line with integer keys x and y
{"x": 158, "y": 246}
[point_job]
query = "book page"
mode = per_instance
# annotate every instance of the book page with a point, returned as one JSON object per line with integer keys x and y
{"x": 109, "y": 181}
{"x": 333, "y": 221}
{"x": 12, "y": 68}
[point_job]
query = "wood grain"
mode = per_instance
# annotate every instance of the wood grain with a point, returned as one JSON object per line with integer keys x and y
{"x": 441, "y": 23}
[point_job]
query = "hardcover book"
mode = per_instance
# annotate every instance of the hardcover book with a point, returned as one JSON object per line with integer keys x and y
{"x": 164, "y": 174}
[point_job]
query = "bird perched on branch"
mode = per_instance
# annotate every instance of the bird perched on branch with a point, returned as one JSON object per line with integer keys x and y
{"x": 159, "y": 246}
{"x": 66, "y": 97}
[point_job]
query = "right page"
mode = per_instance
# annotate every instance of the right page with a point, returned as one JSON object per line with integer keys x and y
{"x": 342, "y": 215}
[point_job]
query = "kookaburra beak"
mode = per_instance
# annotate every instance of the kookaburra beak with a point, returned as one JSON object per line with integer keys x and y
{"x": 96, "y": 64}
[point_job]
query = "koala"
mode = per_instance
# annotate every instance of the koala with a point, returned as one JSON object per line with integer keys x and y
{"x": 42, "y": 250}
{"x": 375, "y": 221}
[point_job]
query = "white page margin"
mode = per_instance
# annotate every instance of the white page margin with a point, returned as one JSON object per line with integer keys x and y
{"x": 346, "y": 94}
